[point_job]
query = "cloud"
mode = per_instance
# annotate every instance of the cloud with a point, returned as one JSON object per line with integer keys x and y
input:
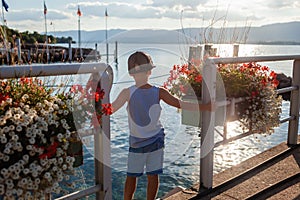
{"x": 283, "y": 4}
{"x": 35, "y": 14}
{"x": 178, "y": 3}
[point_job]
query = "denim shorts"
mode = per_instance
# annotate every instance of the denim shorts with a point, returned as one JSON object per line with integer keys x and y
{"x": 149, "y": 158}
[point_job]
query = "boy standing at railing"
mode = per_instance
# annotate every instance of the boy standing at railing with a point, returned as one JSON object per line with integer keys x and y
{"x": 146, "y": 140}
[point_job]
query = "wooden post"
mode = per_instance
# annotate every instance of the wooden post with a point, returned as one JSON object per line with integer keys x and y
{"x": 70, "y": 50}
{"x": 236, "y": 50}
{"x": 295, "y": 105}
{"x": 116, "y": 54}
{"x": 96, "y": 52}
{"x": 18, "y": 41}
{"x": 208, "y": 123}
{"x": 195, "y": 53}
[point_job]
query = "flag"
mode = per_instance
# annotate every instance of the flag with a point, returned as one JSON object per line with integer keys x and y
{"x": 45, "y": 8}
{"x": 5, "y": 5}
{"x": 106, "y": 15}
{"x": 79, "y": 12}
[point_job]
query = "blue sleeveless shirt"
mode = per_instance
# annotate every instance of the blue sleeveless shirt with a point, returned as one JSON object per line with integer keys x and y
{"x": 143, "y": 117}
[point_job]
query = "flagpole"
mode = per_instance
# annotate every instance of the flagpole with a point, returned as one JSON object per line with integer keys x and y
{"x": 45, "y": 15}
{"x": 4, "y": 33}
{"x": 106, "y": 15}
{"x": 79, "y": 36}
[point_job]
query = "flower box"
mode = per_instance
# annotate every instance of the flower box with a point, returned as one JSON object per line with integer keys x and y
{"x": 223, "y": 113}
{"x": 256, "y": 84}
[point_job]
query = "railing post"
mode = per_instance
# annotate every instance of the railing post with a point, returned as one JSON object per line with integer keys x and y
{"x": 295, "y": 105}
{"x": 102, "y": 146}
{"x": 207, "y": 130}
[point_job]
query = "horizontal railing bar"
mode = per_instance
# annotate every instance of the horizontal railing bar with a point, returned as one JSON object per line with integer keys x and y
{"x": 51, "y": 69}
{"x": 233, "y": 138}
{"x": 86, "y": 132}
{"x": 80, "y": 194}
{"x": 286, "y": 89}
{"x": 287, "y": 119}
{"x": 219, "y": 132}
{"x": 231, "y": 60}
{"x": 247, "y": 133}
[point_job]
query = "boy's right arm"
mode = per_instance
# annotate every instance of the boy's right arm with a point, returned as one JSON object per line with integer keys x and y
{"x": 178, "y": 103}
{"x": 120, "y": 100}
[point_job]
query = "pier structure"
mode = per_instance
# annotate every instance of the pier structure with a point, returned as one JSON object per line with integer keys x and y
{"x": 103, "y": 187}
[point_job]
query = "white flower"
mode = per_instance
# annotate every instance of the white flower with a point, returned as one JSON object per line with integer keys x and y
{"x": 39, "y": 105}
{"x": 8, "y": 114}
{"x": 15, "y": 138}
{"x": 18, "y": 128}
{"x": 35, "y": 174}
{"x": 2, "y": 189}
{"x": 6, "y": 158}
{"x": 17, "y": 116}
{"x": 3, "y": 139}
{"x": 64, "y": 167}
{"x": 26, "y": 158}
{"x": 47, "y": 175}
{"x": 26, "y": 171}
{"x": 19, "y": 192}
{"x": 55, "y": 106}
{"x": 9, "y": 100}
{"x": 6, "y": 129}
{"x": 66, "y": 112}
{"x": 51, "y": 109}
{"x": 37, "y": 181}
{"x": 7, "y": 151}
{"x": 60, "y": 160}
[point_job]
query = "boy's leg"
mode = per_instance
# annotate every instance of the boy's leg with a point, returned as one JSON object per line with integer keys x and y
{"x": 130, "y": 186}
{"x": 154, "y": 167}
{"x": 152, "y": 187}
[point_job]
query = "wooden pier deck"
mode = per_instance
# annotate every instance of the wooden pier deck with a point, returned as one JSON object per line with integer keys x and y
{"x": 277, "y": 179}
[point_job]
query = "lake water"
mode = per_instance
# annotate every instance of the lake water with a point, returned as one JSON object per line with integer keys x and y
{"x": 181, "y": 165}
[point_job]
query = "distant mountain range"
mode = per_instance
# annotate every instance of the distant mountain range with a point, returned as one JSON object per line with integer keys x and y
{"x": 279, "y": 33}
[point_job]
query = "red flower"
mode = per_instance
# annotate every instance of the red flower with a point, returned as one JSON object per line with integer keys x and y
{"x": 275, "y": 83}
{"x": 3, "y": 97}
{"x": 99, "y": 94}
{"x": 198, "y": 78}
{"x": 273, "y": 75}
{"x": 107, "y": 109}
{"x": 254, "y": 94}
{"x": 50, "y": 151}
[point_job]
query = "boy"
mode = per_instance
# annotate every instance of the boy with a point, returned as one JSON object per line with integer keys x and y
{"x": 146, "y": 140}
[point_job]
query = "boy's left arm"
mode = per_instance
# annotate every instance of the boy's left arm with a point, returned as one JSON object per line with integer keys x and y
{"x": 173, "y": 101}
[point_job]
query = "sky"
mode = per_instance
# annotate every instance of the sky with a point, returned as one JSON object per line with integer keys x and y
{"x": 28, "y": 15}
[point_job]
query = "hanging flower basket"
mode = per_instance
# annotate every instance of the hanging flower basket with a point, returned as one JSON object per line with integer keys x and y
{"x": 255, "y": 84}
{"x": 39, "y": 142}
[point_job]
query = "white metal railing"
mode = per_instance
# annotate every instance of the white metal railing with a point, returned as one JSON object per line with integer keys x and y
{"x": 209, "y": 95}
{"x": 102, "y": 187}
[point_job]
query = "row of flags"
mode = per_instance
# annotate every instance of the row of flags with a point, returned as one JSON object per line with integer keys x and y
{"x": 5, "y": 6}
{"x": 78, "y": 10}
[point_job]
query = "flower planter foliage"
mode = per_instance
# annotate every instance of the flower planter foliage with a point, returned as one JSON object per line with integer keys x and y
{"x": 256, "y": 84}
{"x": 38, "y": 134}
